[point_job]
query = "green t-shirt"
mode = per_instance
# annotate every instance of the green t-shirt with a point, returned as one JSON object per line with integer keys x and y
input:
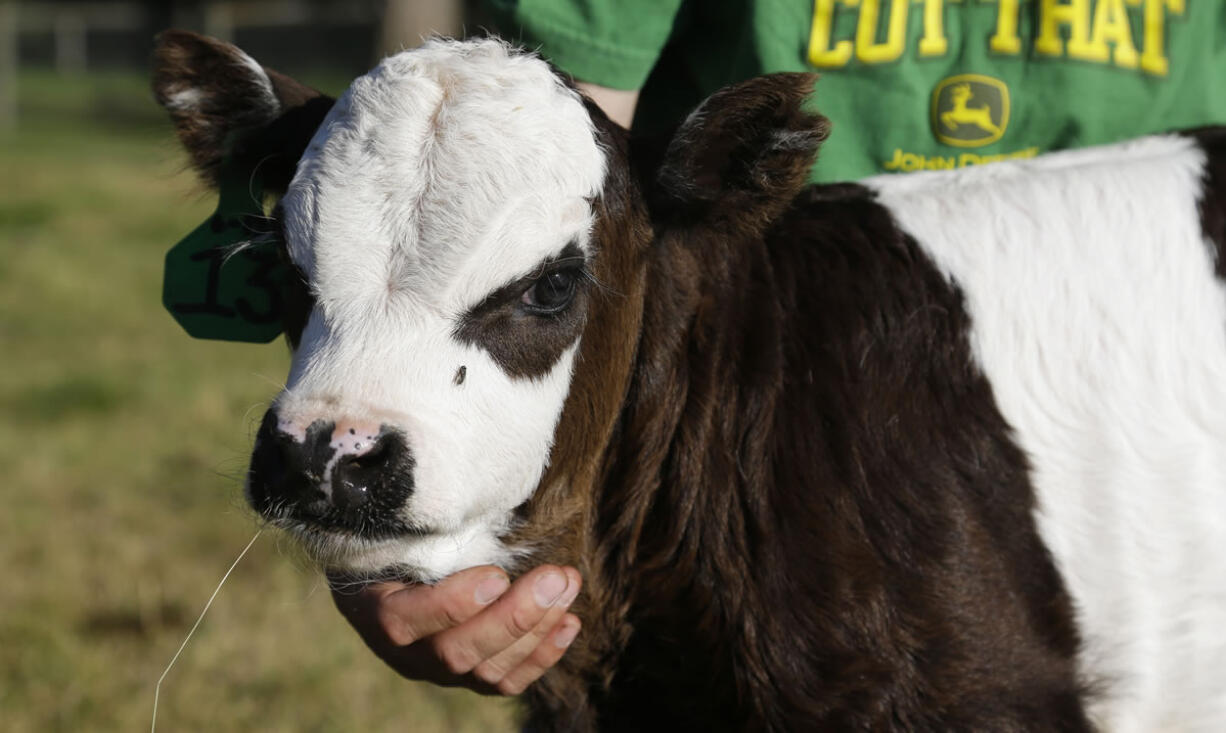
{"x": 908, "y": 84}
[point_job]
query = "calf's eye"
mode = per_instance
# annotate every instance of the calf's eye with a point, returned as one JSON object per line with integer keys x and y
{"x": 552, "y": 292}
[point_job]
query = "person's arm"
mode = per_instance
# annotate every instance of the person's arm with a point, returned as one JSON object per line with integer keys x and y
{"x": 473, "y": 629}
{"x": 618, "y": 104}
{"x": 611, "y": 45}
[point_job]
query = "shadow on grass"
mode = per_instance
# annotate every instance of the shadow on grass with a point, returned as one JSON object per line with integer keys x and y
{"x": 74, "y": 396}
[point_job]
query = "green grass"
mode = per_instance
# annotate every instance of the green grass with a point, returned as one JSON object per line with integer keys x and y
{"x": 122, "y": 441}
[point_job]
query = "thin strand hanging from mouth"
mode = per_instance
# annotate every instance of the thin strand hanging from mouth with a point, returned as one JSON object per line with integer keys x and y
{"x": 158, "y": 688}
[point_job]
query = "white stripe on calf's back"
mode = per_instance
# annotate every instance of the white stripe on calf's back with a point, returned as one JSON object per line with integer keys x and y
{"x": 1099, "y": 322}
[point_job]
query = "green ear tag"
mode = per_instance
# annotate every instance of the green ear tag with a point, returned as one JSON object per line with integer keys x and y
{"x": 215, "y": 287}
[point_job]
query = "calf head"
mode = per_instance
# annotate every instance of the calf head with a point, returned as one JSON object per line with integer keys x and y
{"x": 473, "y": 247}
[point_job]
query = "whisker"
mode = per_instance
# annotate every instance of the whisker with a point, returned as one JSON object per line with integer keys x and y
{"x": 239, "y": 247}
{"x": 595, "y": 282}
{"x": 251, "y": 179}
{"x": 280, "y": 385}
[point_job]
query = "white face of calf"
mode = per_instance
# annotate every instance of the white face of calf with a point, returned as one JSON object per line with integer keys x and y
{"x": 441, "y": 215}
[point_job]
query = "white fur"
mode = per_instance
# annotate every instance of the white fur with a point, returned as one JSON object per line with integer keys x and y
{"x": 271, "y": 104}
{"x": 185, "y": 100}
{"x": 188, "y": 100}
{"x": 1097, "y": 318}
{"x": 443, "y": 174}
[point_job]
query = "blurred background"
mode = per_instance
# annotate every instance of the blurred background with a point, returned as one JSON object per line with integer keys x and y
{"x": 123, "y": 440}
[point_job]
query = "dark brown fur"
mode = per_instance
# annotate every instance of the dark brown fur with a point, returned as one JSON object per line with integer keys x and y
{"x": 1213, "y": 203}
{"x": 794, "y": 501}
{"x": 233, "y": 120}
{"x": 524, "y": 344}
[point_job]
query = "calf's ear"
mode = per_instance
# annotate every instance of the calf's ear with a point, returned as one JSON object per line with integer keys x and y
{"x": 746, "y": 150}
{"x": 227, "y": 107}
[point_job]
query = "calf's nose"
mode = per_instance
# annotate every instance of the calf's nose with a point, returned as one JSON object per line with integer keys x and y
{"x": 327, "y": 474}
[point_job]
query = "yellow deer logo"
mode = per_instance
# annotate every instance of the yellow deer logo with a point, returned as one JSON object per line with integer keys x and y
{"x": 961, "y": 114}
{"x": 969, "y": 110}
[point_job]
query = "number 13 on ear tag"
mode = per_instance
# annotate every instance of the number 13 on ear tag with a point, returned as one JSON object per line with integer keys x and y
{"x": 216, "y": 285}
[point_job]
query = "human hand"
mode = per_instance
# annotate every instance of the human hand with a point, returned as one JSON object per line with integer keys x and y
{"x": 473, "y": 629}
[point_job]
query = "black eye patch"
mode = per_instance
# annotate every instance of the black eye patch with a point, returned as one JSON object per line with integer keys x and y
{"x": 526, "y": 324}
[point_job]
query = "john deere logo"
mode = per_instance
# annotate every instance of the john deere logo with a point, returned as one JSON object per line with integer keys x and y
{"x": 970, "y": 110}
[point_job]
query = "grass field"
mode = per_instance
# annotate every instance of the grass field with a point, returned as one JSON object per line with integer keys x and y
{"x": 123, "y": 440}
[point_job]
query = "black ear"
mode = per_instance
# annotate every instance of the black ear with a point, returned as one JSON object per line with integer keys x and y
{"x": 747, "y": 149}
{"x": 224, "y": 105}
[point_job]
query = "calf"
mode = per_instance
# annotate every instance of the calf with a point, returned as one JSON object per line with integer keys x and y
{"x": 936, "y": 452}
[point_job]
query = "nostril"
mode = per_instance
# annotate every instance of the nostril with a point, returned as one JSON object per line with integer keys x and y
{"x": 384, "y": 467}
{"x": 347, "y": 494}
{"x": 377, "y": 455}
{"x": 286, "y": 470}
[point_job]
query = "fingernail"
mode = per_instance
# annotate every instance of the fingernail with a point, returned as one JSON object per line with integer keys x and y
{"x": 548, "y": 588}
{"x": 571, "y": 592}
{"x": 490, "y": 588}
{"x": 563, "y": 638}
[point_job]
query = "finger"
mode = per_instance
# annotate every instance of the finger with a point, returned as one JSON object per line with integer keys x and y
{"x": 420, "y": 611}
{"x": 400, "y": 614}
{"x": 514, "y": 614}
{"x": 495, "y": 668}
{"x": 359, "y": 604}
{"x": 546, "y": 654}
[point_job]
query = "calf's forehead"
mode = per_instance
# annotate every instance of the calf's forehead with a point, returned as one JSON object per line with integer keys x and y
{"x": 443, "y": 172}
